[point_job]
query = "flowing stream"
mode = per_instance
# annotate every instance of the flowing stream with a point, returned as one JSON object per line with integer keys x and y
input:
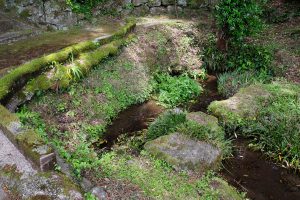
{"x": 249, "y": 171}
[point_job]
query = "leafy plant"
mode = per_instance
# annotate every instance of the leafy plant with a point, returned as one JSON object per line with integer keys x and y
{"x": 83, "y": 6}
{"x": 231, "y": 49}
{"x": 173, "y": 91}
{"x": 238, "y": 19}
{"x": 230, "y": 82}
{"x": 165, "y": 124}
{"x": 74, "y": 72}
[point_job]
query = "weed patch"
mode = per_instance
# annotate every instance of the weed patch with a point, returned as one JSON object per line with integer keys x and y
{"x": 174, "y": 91}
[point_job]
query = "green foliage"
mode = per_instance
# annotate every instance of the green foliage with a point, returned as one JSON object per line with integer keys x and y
{"x": 82, "y": 157}
{"x": 90, "y": 196}
{"x": 157, "y": 179}
{"x": 230, "y": 82}
{"x": 238, "y": 18}
{"x": 214, "y": 59}
{"x": 32, "y": 119}
{"x": 83, "y": 6}
{"x": 241, "y": 57}
{"x": 165, "y": 124}
{"x": 249, "y": 57}
{"x": 276, "y": 129}
{"x": 173, "y": 91}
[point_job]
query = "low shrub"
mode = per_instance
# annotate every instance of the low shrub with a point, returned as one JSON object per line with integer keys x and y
{"x": 240, "y": 57}
{"x": 173, "y": 91}
{"x": 165, "y": 124}
{"x": 83, "y": 6}
{"x": 230, "y": 82}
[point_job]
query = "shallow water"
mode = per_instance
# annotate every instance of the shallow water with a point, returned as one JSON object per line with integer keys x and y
{"x": 248, "y": 171}
{"x": 261, "y": 179}
{"x": 133, "y": 119}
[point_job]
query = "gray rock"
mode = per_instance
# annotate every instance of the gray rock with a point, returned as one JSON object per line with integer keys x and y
{"x": 99, "y": 193}
{"x": 174, "y": 9}
{"x": 141, "y": 10}
{"x": 154, "y": 3}
{"x": 158, "y": 10}
{"x": 167, "y": 2}
{"x": 184, "y": 153}
{"x": 182, "y": 3}
{"x": 139, "y": 2}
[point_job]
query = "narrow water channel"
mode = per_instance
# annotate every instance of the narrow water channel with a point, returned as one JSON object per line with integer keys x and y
{"x": 248, "y": 171}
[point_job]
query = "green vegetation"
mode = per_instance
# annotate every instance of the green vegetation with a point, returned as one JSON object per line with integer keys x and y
{"x": 82, "y": 6}
{"x": 165, "y": 124}
{"x": 276, "y": 128}
{"x": 177, "y": 121}
{"x": 238, "y": 19}
{"x": 230, "y": 82}
{"x": 41, "y": 64}
{"x": 105, "y": 92}
{"x": 267, "y": 113}
{"x": 231, "y": 49}
{"x": 174, "y": 91}
{"x": 158, "y": 180}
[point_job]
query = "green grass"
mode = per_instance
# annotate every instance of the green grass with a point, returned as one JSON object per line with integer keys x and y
{"x": 157, "y": 179}
{"x": 165, "y": 124}
{"x": 230, "y": 82}
{"x": 269, "y": 115}
{"x": 90, "y": 106}
{"x": 277, "y": 129}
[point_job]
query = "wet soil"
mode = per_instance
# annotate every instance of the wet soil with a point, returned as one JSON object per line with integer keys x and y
{"x": 133, "y": 119}
{"x": 252, "y": 173}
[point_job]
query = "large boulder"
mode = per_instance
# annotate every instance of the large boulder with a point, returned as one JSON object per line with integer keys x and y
{"x": 184, "y": 153}
{"x": 246, "y": 104}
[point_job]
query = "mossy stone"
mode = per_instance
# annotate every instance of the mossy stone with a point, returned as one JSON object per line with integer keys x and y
{"x": 184, "y": 153}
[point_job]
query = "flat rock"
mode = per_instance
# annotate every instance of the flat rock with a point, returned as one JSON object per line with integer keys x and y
{"x": 184, "y": 153}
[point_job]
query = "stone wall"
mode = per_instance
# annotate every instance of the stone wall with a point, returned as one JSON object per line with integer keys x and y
{"x": 52, "y": 13}
{"x": 142, "y": 7}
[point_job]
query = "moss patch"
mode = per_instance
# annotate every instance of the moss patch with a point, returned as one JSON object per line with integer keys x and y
{"x": 27, "y": 69}
{"x": 6, "y": 117}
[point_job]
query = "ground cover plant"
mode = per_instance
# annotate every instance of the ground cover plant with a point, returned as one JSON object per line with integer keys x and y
{"x": 83, "y": 111}
{"x": 159, "y": 181}
{"x": 229, "y": 83}
{"x": 174, "y": 91}
{"x": 74, "y": 119}
{"x": 268, "y": 114}
{"x": 276, "y": 128}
